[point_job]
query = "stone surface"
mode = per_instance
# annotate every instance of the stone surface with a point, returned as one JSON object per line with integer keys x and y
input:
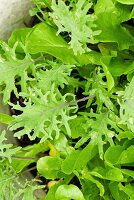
{"x": 12, "y": 15}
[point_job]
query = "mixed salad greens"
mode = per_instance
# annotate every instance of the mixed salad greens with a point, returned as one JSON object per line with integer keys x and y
{"x": 73, "y": 77}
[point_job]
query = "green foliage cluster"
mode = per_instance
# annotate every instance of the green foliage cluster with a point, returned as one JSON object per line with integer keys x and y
{"x": 75, "y": 73}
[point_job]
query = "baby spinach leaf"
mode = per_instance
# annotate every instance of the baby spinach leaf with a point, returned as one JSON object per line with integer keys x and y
{"x": 68, "y": 192}
{"x": 49, "y": 167}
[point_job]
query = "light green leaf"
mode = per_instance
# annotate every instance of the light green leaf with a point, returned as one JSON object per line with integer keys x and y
{"x": 116, "y": 192}
{"x": 127, "y": 2}
{"x": 43, "y": 38}
{"x": 126, "y": 156}
{"x": 19, "y": 35}
{"x": 110, "y": 81}
{"x": 128, "y": 189}
{"x": 28, "y": 155}
{"x": 113, "y": 153}
{"x": 127, "y": 106}
{"x": 11, "y": 69}
{"x": 56, "y": 73}
{"x": 113, "y": 174}
{"x": 88, "y": 176}
{"x": 109, "y": 19}
{"x": 49, "y": 167}
{"x": 96, "y": 126}
{"x": 44, "y": 116}
{"x": 68, "y": 192}
{"x": 126, "y": 134}
{"x": 78, "y": 159}
{"x": 76, "y": 22}
{"x": 5, "y": 119}
{"x": 7, "y": 150}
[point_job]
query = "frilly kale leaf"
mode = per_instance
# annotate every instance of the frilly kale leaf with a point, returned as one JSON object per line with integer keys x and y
{"x": 76, "y": 22}
{"x": 13, "y": 71}
{"x": 127, "y": 106}
{"x": 44, "y": 115}
{"x": 7, "y": 150}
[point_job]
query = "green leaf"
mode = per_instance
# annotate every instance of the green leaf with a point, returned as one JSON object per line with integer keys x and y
{"x": 128, "y": 189}
{"x": 76, "y": 126}
{"x": 78, "y": 159}
{"x": 56, "y": 73}
{"x": 96, "y": 126}
{"x": 11, "y": 69}
{"x": 76, "y": 22}
{"x": 126, "y": 156}
{"x": 5, "y": 119}
{"x": 43, "y": 38}
{"x": 44, "y": 116}
{"x": 62, "y": 145}
{"x": 49, "y": 167}
{"x": 126, "y": 134}
{"x": 96, "y": 85}
{"x": 19, "y": 35}
{"x": 68, "y": 192}
{"x": 109, "y": 19}
{"x": 89, "y": 190}
{"x": 117, "y": 155}
{"x": 28, "y": 155}
{"x": 113, "y": 174}
{"x": 110, "y": 81}
{"x": 119, "y": 66}
{"x": 116, "y": 192}
{"x": 7, "y": 150}
{"x": 127, "y": 2}
{"x": 113, "y": 153}
{"x": 127, "y": 106}
{"x": 87, "y": 176}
